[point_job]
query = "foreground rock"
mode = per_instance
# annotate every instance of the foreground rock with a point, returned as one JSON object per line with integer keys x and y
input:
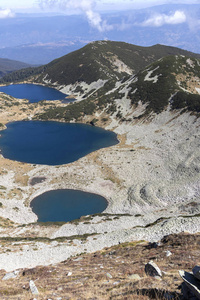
{"x": 152, "y": 269}
{"x": 33, "y": 288}
{"x": 192, "y": 283}
{"x": 124, "y": 262}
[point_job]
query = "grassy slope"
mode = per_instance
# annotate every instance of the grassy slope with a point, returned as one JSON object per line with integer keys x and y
{"x": 155, "y": 92}
{"x": 113, "y": 273}
{"x": 93, "y": 62}
{"x": 8, "y": 66}
{"x": 158, "y": 92}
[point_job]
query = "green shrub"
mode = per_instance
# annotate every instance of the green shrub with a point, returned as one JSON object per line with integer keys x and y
{"x": 185, "y": 100}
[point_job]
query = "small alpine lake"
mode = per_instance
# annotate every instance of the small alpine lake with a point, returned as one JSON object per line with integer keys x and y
{"x": 66, "y": 205}
{"x": 52, "y": 143}
{"x": 34, "y": 92}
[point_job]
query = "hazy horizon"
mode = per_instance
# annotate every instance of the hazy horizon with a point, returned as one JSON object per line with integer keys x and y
{"x": 70, "y": 24}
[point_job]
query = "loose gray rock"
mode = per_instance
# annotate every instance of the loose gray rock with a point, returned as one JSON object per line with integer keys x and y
{"x": 196, "y": 272}
{"x": 108, "y": 275}
{"x": 134, "y": 277}
{"x": 152, "y": 269}
{"x": 168, "y": 253}
{"x": 33, "y": 288}
{"x": 11, "y": 275}
{"x": 192, "y": 283}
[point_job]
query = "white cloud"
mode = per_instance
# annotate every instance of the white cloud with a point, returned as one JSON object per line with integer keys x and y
{"x": 86, "y": 6}
{"x": 158, "y": 20}
{"x": 6, "y": 13}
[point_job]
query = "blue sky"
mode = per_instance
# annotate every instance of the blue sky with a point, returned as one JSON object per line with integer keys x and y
{"x": 75, "y": 4}
{"x": 92, "y": 9}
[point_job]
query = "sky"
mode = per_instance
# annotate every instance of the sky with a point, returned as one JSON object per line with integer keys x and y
{"x": 92, "y": 9}
{"x": 99, "y": 5}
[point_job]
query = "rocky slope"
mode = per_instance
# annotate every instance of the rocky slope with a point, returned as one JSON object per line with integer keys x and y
{"x": 114, "y": 273}
{"x": 172, "y": 81}
{"x": 91, "y": 67}
{"x": 150, "y": 179}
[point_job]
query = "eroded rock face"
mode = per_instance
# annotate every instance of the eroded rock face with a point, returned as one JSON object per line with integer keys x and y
{"x": 152, "y": 269}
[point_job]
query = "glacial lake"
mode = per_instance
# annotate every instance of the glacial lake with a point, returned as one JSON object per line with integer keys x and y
{"x": 52, "y": 143}
{"x": 33, "y": 92}
{"x": 66, "y": 205}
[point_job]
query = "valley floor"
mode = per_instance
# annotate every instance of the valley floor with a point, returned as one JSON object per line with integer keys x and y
{"x": 150, "y": 179}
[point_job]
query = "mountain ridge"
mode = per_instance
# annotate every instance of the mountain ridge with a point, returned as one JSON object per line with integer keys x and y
{"x": 150, "y": 178}
{"x": 172, "y": 81}
{"x": 8, "y": 66}
{"x": 103, "y": 72}
{"x": 75, "y": 66}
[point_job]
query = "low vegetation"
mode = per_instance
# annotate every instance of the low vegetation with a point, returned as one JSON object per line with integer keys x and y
{"x": 7, "y": 66}
{"x": 95, "y": 61}
{"x": 190, "y": 102}
{"x": 154, "y": 86}
{"x": 113, "y": 273}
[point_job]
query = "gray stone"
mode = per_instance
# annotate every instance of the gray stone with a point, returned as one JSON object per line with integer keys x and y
{"x": 33, "y": 288}
{"x": 192, "y": 282}
{"x": 116, "y": 282}
{"x": 196, "y": 272}
{"x": 134, "y": 277}
{"x": 11, "y": 275}
{"x": 78, "y": 259}
{"x": 108, "y": 275}
{"x": 69, "y": 273}
{"x": 168, "y": 253}
{"x": 152, "y": 269}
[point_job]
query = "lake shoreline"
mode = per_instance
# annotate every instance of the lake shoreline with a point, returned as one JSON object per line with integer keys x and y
{"x": 52, "y": 143}
{"x": 65, "y": 205}
{"x": 33, "y": 92}
{"x": 150, "y": 174}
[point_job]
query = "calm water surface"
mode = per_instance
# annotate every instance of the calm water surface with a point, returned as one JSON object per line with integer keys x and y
{"x": 52, "y": 143}
{"x": 34, "y": 93}
{"x": 66, "y": 205}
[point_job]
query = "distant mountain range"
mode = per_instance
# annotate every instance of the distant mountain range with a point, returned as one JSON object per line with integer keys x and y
{"x": 40, "y": 39}
{"x": 8, "y": 66}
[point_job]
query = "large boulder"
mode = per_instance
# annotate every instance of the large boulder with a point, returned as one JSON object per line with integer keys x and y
{"x": 192, "y": 283}
{"x": 152, "y": 269}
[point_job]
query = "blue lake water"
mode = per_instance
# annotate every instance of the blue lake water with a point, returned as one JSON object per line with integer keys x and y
{"x": 34, "y": 93}
{"x": 66, "y": 205}
{"x": 52, "y": 143}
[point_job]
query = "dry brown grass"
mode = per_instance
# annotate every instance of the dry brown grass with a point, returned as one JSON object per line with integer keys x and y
{"x": 22, "y": 179}
{"x": 90, "y": 279}
{"x": 6, "y": 223}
